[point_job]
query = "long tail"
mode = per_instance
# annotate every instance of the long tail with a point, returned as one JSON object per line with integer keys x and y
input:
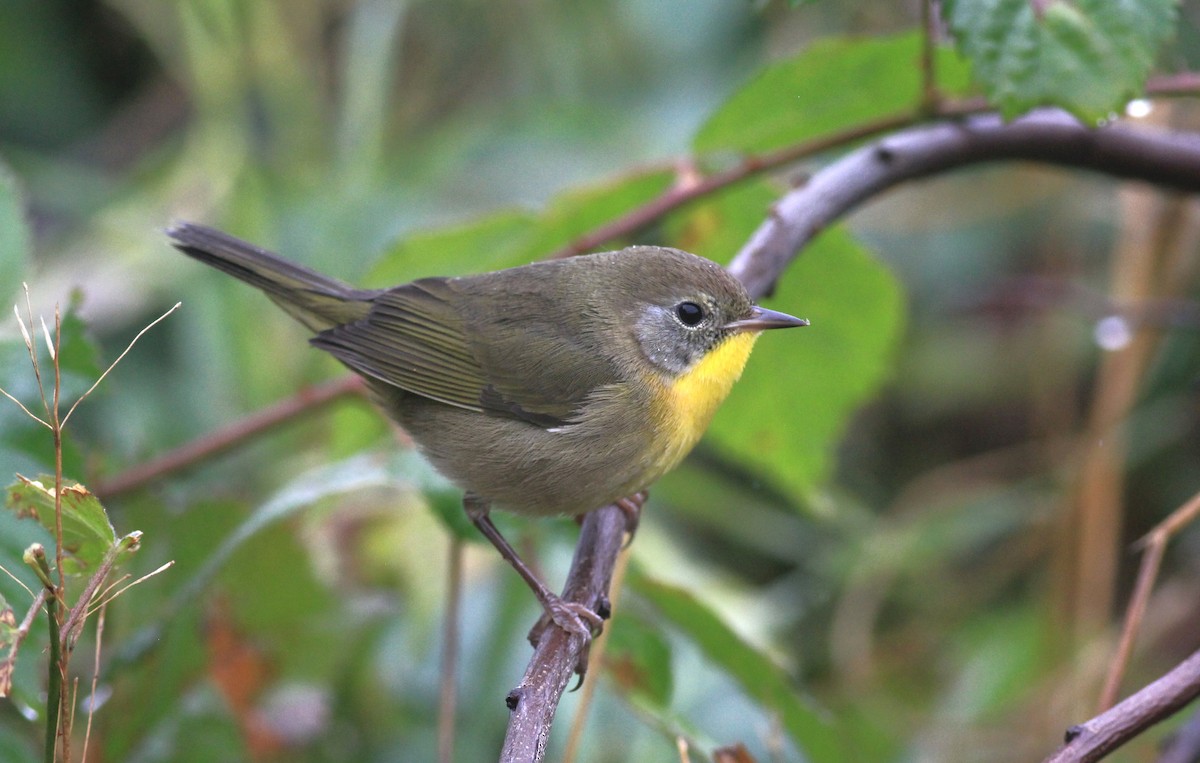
{"x": 317, "y": 301}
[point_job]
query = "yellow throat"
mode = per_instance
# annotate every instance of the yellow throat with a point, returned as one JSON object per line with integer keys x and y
{"x": 691, "y": 399}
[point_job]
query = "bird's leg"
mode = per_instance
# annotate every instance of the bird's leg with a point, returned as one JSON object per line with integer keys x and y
{"x": 631, "y": 507}
{"x": 571, "y": 616}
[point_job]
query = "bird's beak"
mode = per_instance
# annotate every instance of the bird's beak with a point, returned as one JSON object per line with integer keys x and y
{"x": 761, "y": 318}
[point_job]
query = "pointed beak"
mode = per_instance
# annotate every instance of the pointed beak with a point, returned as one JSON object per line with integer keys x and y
{"x": 761, "y": 318}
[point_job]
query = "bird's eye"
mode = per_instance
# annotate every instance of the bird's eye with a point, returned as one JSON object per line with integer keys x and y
{"x": 689, "y": 313}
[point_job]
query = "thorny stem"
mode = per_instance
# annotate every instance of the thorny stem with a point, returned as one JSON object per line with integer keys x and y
{"x": 55, "y": 679}
{"x": 83, "y": 603}
{"x": 58, "y": 720}
{"x": 56, "y": 673}
{"x": 60, "y": 654}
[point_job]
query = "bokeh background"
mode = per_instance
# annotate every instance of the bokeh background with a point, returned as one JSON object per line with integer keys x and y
{"x": 883, "y": 530}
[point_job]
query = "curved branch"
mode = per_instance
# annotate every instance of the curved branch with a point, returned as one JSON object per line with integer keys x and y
{"x": 1106, "y": 732}
{"x": 1050, "y": 136}
{"x": 1168, "y": 159}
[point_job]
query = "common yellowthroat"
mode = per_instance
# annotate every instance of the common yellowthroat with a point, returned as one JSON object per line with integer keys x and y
{"x": 547, "y": 389}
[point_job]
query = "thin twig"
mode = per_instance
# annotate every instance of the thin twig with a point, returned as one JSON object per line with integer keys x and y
{"x": 87, "y": 734}
{"x": 1094, "y": 739}
{"x": 113, "y": 365}
{"x": 55, "y": 667}
{"x": 56, "y": 430}
{"x": 16, "y": 579}
{"x": 28, "y": 412}
{"x": 103, "y": 598}
{"x": 682, "y": 194}
{"x": 83, "y": 604}
{"x": 448, "y": 696}
{"x": 18, "y": 636}
{"x": 1155, "y": 545}
{"x": 215, "y": 443}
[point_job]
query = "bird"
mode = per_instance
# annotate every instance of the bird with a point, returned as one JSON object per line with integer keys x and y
{"x": 547, "y": 389}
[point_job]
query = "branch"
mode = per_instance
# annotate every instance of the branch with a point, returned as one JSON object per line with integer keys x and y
{"x": 1168, "y": 159}
{"x": 218, "y": 442}
{"x": 1049, "y": 136}
{"x": 557, "y": 652}
{"x": 1106, "y": 732}
{"x": 1155, "y": 545}
{"x": 752, "y": 165}
{"x": 683, "y": 194}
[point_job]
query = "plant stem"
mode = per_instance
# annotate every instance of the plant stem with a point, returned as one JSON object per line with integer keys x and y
{"x": 54, "y": 688}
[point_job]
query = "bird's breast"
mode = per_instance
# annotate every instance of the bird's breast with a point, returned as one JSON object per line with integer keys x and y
{"x": 686, "y": 405}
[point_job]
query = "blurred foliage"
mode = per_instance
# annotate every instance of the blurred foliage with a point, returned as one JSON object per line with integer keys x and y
{"x": 1088, "y": 57}
{"x": 877, "y": 542}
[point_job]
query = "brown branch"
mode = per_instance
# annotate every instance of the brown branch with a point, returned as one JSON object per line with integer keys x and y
{"x": 1155, "y": 543}
{"x": 1048, "y": 136}
{"x": 222, "y": 440}
{"x": 1183, "y": 83}
{"x": 1171, "y": 160}
{"x": 683, "y": 194}
{"x": 1106, "y": 732}
{"x": 557, "y": 653}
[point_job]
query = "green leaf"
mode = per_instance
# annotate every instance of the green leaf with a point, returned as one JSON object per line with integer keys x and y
{"x": 786, "y": 415}
{"x": 638, "y": 659}
{"x": 404, "y": 471}
{"x": 494, "y": 242}
{"x": 87, "y": 535}
{"x": 512, "y": 237}
{"x": 578, "y": 211}
{"x": 14, "y": 238}
{"x": 757, "y": 674}
{"x": 834, "y": 85}
{"x": 1087, "y": 56}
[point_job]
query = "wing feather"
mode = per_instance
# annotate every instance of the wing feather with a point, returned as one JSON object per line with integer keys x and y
{"x": 413, "y": 338}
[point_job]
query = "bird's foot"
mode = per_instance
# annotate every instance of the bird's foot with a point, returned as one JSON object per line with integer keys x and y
{"x": 574, "y": 618}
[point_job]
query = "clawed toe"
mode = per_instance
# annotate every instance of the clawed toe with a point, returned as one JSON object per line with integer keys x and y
{"x": 575, "y": 618}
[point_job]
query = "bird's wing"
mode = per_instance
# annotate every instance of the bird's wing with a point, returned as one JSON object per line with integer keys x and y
{"x": 414, "y": 338}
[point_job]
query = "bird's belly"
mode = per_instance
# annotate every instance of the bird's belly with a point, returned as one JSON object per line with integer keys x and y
{"x": 626, "y": 438}
{"x": 530, "y": 470}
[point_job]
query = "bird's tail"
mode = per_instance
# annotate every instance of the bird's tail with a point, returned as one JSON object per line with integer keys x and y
{"x": 317, "y": 301}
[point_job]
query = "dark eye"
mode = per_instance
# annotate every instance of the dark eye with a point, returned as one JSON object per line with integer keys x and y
{"x": 690, "y": 313}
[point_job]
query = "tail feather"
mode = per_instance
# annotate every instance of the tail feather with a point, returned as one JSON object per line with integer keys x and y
{"x": 317, "y": 301}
